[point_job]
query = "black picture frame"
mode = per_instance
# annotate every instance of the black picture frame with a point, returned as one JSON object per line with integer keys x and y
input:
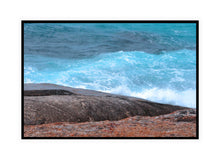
{"x": 109, "y": 21}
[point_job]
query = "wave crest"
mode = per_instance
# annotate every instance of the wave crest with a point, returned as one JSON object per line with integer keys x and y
{"x": 167, "y": 78}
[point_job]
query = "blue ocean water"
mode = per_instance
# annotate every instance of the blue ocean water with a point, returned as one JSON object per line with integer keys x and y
{"x": 154, "y": 61}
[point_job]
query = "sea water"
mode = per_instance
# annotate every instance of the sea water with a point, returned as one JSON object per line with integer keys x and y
{"x": 154, "y": 61}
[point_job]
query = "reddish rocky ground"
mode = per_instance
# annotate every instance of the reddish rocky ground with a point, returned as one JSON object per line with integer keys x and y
{"x": 180, "y": 123}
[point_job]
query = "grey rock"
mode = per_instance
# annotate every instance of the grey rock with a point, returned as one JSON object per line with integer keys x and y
{"x": 49, "y": 103}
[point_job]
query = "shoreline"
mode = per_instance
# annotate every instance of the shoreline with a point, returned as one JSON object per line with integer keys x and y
{"x": 48, "y": 104}
{"x": 55, "y": 89}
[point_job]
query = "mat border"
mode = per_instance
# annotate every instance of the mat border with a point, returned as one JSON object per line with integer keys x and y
{"x": 110, "y": 21}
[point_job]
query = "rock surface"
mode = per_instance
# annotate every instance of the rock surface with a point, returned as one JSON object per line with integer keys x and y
{"x": 177, "y": 124}
{"x": 49, "y": 103}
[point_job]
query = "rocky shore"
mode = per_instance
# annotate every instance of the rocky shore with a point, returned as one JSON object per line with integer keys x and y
{"x": 57, "y": 111}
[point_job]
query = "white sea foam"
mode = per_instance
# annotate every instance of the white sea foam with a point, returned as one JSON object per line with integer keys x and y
{"x": 165, "y": 78}
{"x": 185, "y": 98}
{"x": 28, "y": 80}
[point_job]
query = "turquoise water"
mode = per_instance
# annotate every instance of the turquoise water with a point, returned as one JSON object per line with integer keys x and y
{"x": 151, "y": 61}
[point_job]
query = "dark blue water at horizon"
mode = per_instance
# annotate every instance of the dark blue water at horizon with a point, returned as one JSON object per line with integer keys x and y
{"x": 154, "y": 61}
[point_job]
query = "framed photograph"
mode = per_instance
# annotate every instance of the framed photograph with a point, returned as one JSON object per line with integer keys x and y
{"x": 110, "y": 79}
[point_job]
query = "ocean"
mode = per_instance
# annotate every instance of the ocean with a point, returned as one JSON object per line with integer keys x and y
{"x": 153, "y": 61}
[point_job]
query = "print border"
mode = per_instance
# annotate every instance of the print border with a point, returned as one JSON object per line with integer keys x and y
{"x": 110, "y": 21}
